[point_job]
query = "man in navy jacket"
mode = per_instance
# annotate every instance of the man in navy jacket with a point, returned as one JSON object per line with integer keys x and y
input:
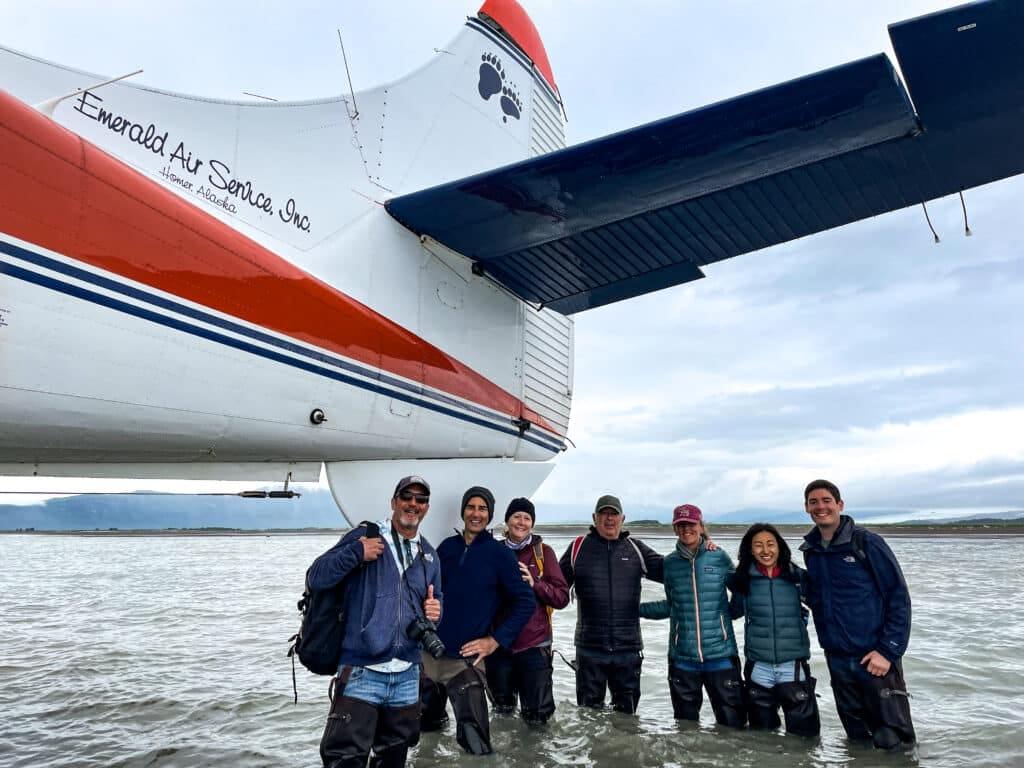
{"x": 481, "y": 581}
{"x": 390, "y": 580}
{"x": 861, "y": 612}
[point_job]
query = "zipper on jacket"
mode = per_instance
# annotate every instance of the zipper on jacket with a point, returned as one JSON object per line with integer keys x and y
{"x": 775, "y": 634}
{"x": 611, "y": 608}
{"x": 721, "y": 622}
{"x": 696, "y": 606}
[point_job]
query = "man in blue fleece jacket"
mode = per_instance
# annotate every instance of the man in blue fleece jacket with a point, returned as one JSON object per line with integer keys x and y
{"x": 861, "y": 609}
{"x": 481, "y": 580}
{"x": 389, "y": 580}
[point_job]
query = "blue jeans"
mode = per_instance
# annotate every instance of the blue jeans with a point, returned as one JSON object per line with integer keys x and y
{"x": 384, "y": 689}
{"x": 710, "y": 665}
{"x": 769, "y": 675}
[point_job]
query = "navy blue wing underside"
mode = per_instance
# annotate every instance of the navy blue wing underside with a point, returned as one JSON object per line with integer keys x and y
{"x": 645, "y": 209}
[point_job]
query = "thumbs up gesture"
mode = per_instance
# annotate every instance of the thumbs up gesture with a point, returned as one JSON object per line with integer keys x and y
{"x": 432, "y": 606}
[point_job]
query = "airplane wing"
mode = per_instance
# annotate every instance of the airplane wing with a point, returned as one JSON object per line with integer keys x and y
{"x": 645, "y": 209}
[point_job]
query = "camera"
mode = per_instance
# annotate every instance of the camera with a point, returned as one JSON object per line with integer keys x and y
{"x": 424, "y": 632}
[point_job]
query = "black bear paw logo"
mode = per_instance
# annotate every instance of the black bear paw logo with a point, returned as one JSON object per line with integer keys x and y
{"x": 511, "y": 104}
{"x": 491, "y": 76}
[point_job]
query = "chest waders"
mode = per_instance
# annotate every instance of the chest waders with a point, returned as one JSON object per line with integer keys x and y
{"x": 797, "y": 700}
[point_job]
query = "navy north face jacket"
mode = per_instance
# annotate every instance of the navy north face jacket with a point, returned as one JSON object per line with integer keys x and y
{"x": 858, "y": 607}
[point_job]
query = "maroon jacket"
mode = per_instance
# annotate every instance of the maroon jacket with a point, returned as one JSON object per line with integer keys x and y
{"x": 550, "y": 589}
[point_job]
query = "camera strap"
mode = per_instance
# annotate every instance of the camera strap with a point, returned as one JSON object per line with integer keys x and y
{"x": 399, "y": 553}
{"x": 398, "y": 541}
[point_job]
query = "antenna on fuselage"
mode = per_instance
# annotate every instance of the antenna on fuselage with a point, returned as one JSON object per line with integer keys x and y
{"x": 47, "y": 107}
{"x": 258, "y": 96}
{"x": 348, "y": 74}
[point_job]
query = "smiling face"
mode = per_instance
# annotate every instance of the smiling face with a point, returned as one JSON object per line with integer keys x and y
{"x": 409, "y": 508}
{"x": 608, "y": 522}
{"x": 475, "y": 515}
{"x": 519, "y": 526}
{"x": 689, "y": 535}
{"x": 824, "y": 510}
{"x": 765, "y": 549}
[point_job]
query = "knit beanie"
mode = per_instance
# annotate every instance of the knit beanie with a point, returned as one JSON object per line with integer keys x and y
{"x": 483, "y": 493}
{"x": 520, "y": 505}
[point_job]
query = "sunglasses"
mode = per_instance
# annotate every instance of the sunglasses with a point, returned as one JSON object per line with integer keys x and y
{"x": 419, "y": 498}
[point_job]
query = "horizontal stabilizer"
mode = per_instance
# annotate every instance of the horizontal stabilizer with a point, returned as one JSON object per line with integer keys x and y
{"x": 647, "y": 208}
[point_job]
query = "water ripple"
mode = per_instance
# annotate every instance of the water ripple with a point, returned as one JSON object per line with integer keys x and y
{"x": 169, "y": 651}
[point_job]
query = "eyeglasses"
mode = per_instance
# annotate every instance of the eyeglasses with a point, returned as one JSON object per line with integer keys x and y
{"x": 608, "y": 512}
{"x": 419, "y": 498}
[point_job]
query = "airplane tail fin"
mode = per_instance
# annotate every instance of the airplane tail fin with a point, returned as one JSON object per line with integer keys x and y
{"x": 488, "y": 99}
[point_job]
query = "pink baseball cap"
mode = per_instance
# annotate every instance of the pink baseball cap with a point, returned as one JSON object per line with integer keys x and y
{"x": 686, "y": 513}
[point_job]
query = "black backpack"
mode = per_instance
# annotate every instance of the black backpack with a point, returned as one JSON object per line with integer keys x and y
{"x": 317, "y": 644}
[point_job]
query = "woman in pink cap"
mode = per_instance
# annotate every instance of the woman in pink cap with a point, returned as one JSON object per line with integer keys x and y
{"x": 702, "y": 647}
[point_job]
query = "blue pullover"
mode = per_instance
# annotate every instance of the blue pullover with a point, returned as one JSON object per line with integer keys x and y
{"x": 479, "y": 579}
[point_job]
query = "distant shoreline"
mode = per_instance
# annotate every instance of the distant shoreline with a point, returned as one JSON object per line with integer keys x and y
{"x": 791, "y": 530}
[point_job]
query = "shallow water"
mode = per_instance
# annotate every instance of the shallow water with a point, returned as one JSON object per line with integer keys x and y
{"x": 170, "y": 651}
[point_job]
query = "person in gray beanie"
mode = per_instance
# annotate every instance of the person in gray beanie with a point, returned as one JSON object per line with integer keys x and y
{"x": 487, "y": 604}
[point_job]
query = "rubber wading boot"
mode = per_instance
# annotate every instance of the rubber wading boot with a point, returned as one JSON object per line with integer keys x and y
{"x": 591, "y": 684}
{"x": 469, "y": 702}
{"x": 501, "y": 679}
{"x": 624, "y": 685}
{"x": 348, "y": 734}
{"x": 684, "y": 688}
{"x": 885, "y": 738}
{"x": 800, "y": 707}
{"x": 890, "y": 709}
{"x": 850, "y": 707}
{"x": 398, "y": 730}
{"x": 434, "y": 701}
{"x": 762, "y": 707}
{"x": 725, "y": 689}
{"x": 536, "y": 694}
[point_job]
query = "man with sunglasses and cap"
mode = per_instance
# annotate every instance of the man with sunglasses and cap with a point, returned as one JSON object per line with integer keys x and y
{"x": 392, "y": 583}
{"x": 487, "y": 604}
{"x": 605, "y": 568}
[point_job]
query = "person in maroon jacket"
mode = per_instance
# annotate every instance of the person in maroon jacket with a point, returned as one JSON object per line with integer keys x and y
{"x": 524, "y": 671}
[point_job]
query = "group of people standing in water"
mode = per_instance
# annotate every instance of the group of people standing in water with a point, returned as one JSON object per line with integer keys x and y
{"x": 493, "y": 601}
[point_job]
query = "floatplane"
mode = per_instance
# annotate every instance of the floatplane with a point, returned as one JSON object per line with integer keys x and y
{"x": 383, "y": 283}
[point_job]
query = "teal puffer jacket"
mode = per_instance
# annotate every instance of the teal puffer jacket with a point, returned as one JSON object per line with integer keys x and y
{"x": 775, "y": 630}
{"x": 695, "y": 597}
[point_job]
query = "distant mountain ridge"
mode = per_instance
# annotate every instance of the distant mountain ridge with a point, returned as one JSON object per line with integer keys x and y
{"x": 316, "y": 509}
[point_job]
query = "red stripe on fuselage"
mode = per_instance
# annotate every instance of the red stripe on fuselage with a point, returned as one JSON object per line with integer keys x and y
{"x": 63, "y": 193}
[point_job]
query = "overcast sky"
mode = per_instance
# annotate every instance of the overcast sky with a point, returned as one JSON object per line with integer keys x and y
{"x": 868, "y": 354}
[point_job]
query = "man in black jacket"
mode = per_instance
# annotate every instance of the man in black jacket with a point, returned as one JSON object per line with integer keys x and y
{"x": 605, "y": 568}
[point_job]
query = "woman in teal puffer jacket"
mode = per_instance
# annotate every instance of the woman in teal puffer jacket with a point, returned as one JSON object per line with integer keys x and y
{"x": 702, "y": 647}
{"x": 767, "y": 589}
